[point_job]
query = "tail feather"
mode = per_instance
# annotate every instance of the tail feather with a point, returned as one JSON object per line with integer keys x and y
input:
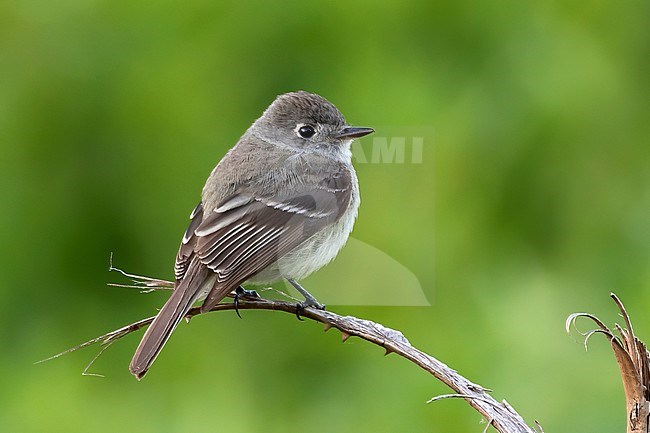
{"x": 184, "y": 295}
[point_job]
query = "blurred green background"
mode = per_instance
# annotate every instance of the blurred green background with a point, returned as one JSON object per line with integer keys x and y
{"x": 532, "y": 201}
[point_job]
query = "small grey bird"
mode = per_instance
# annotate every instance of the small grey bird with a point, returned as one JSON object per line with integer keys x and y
{"x": 280, "y": 204}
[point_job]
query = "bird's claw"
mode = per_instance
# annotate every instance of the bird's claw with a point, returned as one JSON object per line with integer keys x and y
{"x": 310, "y": 303}
{"x": 241, "y": 293}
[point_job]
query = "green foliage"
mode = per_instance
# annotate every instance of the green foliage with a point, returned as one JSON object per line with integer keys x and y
{"x": 532, "y": 201}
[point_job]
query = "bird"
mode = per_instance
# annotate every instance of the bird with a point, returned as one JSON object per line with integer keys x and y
{"x": 279, "y": 205}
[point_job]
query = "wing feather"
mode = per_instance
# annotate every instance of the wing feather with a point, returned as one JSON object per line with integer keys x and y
{"x": 186, "y": 250}
{"x": 245, "y": 233}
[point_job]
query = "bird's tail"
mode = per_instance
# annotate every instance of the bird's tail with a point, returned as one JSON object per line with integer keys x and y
{"x": 187, "y": 291}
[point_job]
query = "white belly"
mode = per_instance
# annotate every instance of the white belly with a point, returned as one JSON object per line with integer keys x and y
{"x": 316, "y": 251}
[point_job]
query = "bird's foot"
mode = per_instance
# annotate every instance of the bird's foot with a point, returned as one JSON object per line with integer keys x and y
{"x": 241, "y": 293}
{"x": 310, "y": 302}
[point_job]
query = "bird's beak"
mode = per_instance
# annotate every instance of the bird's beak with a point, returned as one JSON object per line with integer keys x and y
{"x": 354, "y": 132}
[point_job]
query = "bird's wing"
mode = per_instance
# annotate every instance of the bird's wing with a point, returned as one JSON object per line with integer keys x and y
{"x": 186, "y": 250}
{"x": 246, "y": 233}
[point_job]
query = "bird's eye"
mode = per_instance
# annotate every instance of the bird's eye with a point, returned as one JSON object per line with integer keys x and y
{"x": 306, "y": 131}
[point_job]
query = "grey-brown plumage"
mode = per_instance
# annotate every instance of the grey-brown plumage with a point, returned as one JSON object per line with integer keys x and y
{"x": 280, "y": 204}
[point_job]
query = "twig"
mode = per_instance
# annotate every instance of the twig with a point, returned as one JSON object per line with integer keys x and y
{"x": 144, "y": 284}
{"x": 500, "y": 414}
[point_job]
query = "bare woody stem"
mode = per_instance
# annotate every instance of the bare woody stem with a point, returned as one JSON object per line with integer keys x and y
{"x": 498, "y": 414}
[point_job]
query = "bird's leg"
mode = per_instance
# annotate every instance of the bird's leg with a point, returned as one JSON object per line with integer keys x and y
{"x": 309, "y": 301}
{"x": 240, "y": 293}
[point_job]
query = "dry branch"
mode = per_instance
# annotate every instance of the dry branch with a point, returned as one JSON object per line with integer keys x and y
{"x": 500, "y": 415}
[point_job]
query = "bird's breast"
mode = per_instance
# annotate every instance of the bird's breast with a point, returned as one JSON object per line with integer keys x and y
{"x": 318, "y": 250}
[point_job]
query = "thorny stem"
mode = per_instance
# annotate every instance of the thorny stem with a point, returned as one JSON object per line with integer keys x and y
{"x": 500, "y": 414}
